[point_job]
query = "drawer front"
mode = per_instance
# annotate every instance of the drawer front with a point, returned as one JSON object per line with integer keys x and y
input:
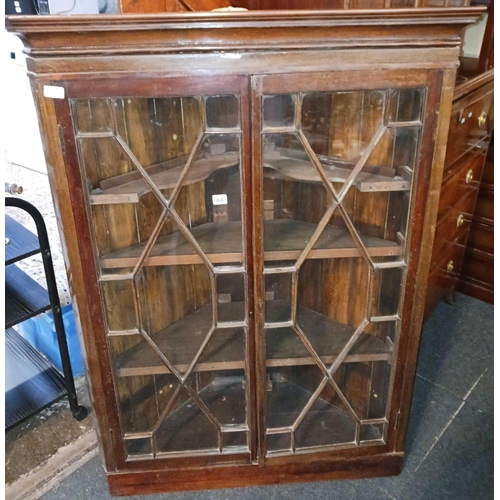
{"x": 485, "y": 206}
{"x": 465, "y": 179}
{"x": 481, "y": 237}
{"x": 444, "y": 277}
{"x": 488, "y": 171}
{"x": 469, "y": 122}
{"x": 479, "y": 267}
{"x": 454, "y": 226}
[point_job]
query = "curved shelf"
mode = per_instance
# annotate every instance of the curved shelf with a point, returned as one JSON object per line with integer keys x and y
{"x": 287, "y": 164}
{"x": 226, "y": 349}
{"x": 303, "y": 170}
{"x": 285, "y": 239}
{"x": 129, "y": 188}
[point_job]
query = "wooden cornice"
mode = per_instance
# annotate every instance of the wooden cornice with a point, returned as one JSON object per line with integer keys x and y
{"x": 236, "y": 31}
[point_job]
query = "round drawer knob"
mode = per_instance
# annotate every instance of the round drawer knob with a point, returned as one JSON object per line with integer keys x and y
{"x": 460, "y": 220}
{"x": 449, "y": 266}
{"x": 481, "y": 120}
{"x": 469, "y": 176}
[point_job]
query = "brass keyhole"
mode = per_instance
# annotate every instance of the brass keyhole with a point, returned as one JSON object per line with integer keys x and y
{"x": 460, "y": 220}
{"x": 449, "y": 267}
{"x": 469, "y": 176}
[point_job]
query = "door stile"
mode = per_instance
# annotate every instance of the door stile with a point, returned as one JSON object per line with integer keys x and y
{"x": 424, "y": 203}
{"x": 247, "y": 207}
{"x": 106, "y": 409}
{"x": 258, "y": 268}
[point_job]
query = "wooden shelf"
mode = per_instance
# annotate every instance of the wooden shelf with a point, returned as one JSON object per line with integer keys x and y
{"x": 285, "y": 239}
{"x": 301, "y": 170}
{"x": 226, "y": 350}
{"x": 325, "y": 424}
{"x": 287, "y": 164}
{"x": 327, "y": 337}
{"x": 129, "y": 188}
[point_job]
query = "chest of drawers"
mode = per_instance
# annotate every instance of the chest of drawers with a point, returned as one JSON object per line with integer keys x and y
{"x": 467, "y": 148}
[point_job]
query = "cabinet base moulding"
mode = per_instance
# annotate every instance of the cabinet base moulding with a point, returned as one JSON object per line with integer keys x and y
{"x": 158, "y": 481}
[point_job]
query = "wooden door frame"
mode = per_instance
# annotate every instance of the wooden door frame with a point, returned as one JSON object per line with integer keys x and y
{"x": 95, "y": 340}
{"x": 431, "y": 80}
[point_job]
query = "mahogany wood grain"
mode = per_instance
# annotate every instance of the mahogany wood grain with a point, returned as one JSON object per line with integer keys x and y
{"x": 454, "y": 225}
{"x": 136, "y": 6}
{"x": 208, "y": 31}
{"x": 154, "y": 481}
{"x": 476, "y": 278}
{"x": 465, "y": 127}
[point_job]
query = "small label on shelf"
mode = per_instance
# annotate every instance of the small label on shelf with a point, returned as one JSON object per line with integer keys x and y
{"x": 53, "y": 92}
{"x": 219, "y": 199}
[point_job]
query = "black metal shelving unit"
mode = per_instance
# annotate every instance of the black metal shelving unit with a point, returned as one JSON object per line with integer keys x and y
{"x": 32, "y": 383}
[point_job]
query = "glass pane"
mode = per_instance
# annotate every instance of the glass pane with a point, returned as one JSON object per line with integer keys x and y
{"x": 387, "y": 284}
{"x": 138, "y": 447}
{"x": 234, "y": 441}
{"x": 92, "y": 115}
{"x": 187, "y": 428}
{"x": 278, "y": 293}
{"x": 223, "y": 395}
{"x": 371, "y": 432}
{"x": 231, "y": 297}
{"x": 406, "y": 105}
{"x": 160, "y": 154}
{"x": 138, "y": 401}
{"x": 164, "y": 184}
{"x": 223, "y": 111}
{"x": 326, "y": 423}
{"x": 118, "y": 294}
{"x": 336, "y": 197}
{"x": 279, "y": 442}
{"x": 209, "y": 203}
{"x": 278, "y": 110}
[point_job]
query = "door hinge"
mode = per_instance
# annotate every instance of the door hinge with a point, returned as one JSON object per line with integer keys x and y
{"x": 396, "y": 421}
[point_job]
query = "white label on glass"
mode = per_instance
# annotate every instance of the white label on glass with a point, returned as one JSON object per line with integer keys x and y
{"x": 53, "y": 92}
{"x": 219, "y": 199}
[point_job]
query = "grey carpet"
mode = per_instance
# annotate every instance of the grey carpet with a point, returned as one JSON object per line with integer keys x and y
{"x": 449, "y": 449}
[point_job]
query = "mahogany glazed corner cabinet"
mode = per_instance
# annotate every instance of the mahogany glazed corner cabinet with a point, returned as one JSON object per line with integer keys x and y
{"x": 248, "y": 203}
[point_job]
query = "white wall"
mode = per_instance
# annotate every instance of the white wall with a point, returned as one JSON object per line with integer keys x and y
{"x": 23, "y": 145}
{"x": 474, "y": 38}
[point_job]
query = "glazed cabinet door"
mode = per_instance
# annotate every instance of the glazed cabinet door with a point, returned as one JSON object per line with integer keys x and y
{"x": 336, "y": 160}
{"x": 163, "y": 166}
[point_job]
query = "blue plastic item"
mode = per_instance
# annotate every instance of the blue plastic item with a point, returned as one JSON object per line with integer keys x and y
{"x": 41, "y": 334}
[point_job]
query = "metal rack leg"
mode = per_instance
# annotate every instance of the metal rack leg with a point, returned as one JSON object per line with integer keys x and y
{"x": 79, "y": 412}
